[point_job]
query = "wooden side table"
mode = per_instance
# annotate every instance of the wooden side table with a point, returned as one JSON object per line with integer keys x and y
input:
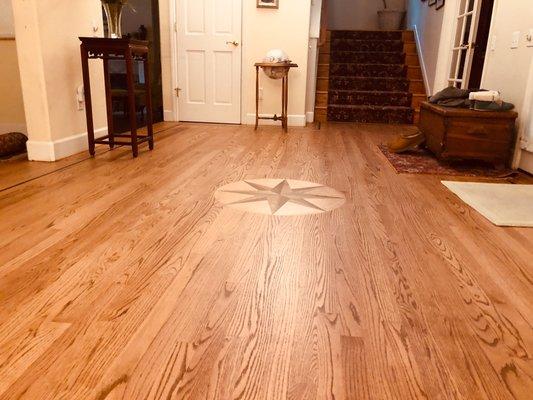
{"x": 284, "y": 69}
{"x": 128, "y": 50}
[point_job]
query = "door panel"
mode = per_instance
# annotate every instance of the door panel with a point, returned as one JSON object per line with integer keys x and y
{"x": 209, "y": 60}
{"x": 464, "y": 44}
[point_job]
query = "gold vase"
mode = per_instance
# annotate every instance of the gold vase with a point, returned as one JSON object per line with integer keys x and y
{"x": 113, "y": 12}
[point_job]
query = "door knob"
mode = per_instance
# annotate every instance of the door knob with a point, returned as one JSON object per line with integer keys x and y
{"x": 235, "y": 43}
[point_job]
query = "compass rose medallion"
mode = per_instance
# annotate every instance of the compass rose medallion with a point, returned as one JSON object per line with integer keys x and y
{"x": 280, "y": 197}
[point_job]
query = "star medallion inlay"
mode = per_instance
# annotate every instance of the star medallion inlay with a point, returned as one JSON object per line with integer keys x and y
{"x": 280, "y": 197}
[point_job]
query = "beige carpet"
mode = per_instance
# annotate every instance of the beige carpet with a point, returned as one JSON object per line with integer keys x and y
{"x": 502, "y": 204}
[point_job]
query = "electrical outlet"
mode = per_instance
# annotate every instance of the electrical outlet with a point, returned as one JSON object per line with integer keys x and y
{"x": 80, "y": 97}
{"x": 515, "y": 41}
{"x": 493, "y": 43}
{"x": 260, "y": 93}
{"x": 529, "y": 38}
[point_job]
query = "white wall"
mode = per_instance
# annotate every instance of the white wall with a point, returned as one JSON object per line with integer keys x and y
{"x": 506, "y": 69}
{"x": 427, "y": 23}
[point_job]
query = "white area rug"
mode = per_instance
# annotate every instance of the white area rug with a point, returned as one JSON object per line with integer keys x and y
{"x": 501, "y": 204}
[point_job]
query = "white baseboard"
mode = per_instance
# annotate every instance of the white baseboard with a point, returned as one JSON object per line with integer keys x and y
{"x": 168, "y": 115}
{"x": 422, "y": 63}
{"x": 310, "y": 116}
{"x": 61, "y": 148}
{"x": 293, "y": 120}
{"x": 8, "y": 127}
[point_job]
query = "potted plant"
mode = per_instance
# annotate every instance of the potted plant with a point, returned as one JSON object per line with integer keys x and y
{"x": 390, "y": 19}
{"x": 113, "y": 12}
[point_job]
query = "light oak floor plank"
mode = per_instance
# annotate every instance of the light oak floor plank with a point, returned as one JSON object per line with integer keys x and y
{"x": 125, "y": 278}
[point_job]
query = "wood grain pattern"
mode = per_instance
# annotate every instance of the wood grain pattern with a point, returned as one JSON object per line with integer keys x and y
{"x": 125, "y": 279}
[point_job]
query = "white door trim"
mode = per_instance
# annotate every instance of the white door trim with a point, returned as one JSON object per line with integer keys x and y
{"x": 173, "y": 7}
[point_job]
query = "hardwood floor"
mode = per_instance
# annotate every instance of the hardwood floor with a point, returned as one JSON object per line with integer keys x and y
{"x": 125, "y": 278}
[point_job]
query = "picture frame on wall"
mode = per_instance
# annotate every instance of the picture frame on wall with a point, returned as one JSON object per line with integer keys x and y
{"x": 267, "y": 3}
{"x": 440, "y": 4}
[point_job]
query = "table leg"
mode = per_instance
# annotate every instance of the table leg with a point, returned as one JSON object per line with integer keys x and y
{"x": 109, "y": 103}
{"x": 131, "y": 103}
{"x": 256, "y": 97}
{"x": 88, "y": 101}
{"x": 283, "y": 103}
{"x": 149, "y": 112}
{"x": 286, "y": 111}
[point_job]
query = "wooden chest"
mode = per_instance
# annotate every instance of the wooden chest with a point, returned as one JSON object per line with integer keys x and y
{"x": 455, "y": 133}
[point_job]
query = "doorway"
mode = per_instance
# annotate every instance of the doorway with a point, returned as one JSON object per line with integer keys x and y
{"x": 470, "y": 43}
{"x": 140, "y": 20}
{"x": 209, "y": 60}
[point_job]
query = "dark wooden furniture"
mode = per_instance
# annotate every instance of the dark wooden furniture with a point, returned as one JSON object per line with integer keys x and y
{"x": 284, "y": 69}
{"x": 458, "y": 133}
{"x": 128, "y": 50}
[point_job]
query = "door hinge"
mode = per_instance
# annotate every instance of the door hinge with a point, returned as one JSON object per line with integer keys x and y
{"x": 177, "y": 91}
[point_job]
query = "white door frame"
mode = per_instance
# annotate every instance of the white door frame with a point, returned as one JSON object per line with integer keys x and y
{"x": 173, "y": 8}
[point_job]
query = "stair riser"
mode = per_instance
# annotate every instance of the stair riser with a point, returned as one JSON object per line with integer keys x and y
{"x": 414, "y": 73}
{"x": 369, "y": 84}
{"x": 417, "y": 87}
{"x": 369, "y": 70}
{"x": 412, "y": 60}
{"x": 417, "y": 101}
{"x": 367, "y": 45}
{"x": 371, "y": 115}
{"x": 322, "y": 84}
{"x": 370, "y": 98}
{"x": 323, "y": 70}
{"x": 365, "y": 57}
{"x": 367, "y": 35}
{"x": 321, "y": 100}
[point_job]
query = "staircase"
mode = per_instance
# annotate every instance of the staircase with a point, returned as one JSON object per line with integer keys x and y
{"x": 369, "y": 76}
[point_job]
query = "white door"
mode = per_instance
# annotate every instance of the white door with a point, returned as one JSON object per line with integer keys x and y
{"x": 209, "y": 60}
{"x": 464, "y": 42}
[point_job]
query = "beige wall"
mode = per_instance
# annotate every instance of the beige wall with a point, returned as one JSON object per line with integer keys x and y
{"x": 49, "y": 60}
{"x": 166, "y": 67}
{"x": 263, "y": 29}
{"x": 358, "y": 14}
{"x": 353, "y": 14}
{"x": 427, "y": 23}
{"x": 11, "y": 103}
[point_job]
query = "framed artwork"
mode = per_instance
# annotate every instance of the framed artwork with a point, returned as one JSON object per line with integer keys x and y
{"x": 432, "y": 2}
{"x": 440, "y": 4}
{"x": 267, "y": 3}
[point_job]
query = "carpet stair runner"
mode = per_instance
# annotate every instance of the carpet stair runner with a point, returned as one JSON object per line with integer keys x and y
{"x": 369, "y": 76}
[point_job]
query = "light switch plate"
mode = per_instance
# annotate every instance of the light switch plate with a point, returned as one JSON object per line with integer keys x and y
{"x": 515, "y": 41}
{"x": 493, "y": 43}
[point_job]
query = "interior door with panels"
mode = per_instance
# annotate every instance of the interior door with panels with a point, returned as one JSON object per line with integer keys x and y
{"x": 209, "y": 60}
